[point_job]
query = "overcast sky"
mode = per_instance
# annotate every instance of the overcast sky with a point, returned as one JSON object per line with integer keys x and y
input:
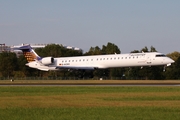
{"x": 130, "y": 24}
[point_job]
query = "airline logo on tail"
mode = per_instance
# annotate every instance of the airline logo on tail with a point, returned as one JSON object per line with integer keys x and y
{"x": 29, "y": 53}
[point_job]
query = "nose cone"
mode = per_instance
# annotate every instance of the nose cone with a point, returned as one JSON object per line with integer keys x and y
{"x": 172, "y": 61}
{"x": 169, "y": 61}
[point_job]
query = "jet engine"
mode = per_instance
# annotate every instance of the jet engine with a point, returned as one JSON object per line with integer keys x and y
{"x": 47, "y": 60}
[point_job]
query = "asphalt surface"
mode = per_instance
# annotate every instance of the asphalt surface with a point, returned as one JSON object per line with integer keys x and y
{"x": 89, "y": 84}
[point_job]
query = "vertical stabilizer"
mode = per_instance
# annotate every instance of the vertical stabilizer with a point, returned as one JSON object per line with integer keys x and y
{"x": 29, "y": 53}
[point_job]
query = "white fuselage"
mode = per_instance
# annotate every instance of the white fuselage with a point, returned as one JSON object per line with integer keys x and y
{"x": 105, "y": 61}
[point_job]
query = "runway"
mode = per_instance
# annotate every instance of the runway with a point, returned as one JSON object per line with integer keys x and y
{"x": 92, "y": 83}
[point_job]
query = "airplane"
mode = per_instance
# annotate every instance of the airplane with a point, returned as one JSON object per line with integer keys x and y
{"x": 93, "y": 62}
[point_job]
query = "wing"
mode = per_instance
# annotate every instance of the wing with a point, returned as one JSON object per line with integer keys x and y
{"x": 76, "y": 67}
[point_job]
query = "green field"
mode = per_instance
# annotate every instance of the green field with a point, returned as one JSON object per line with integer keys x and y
{"x": 89, "y": 103}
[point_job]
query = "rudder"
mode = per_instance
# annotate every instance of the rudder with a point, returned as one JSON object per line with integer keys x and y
{"x": 29, "y": 53}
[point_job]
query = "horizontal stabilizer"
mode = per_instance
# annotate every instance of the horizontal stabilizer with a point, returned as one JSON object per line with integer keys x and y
{"x": 25, "y": 47}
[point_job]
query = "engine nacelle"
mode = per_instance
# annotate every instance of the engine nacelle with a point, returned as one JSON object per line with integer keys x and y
{"x": 47, "y": 60}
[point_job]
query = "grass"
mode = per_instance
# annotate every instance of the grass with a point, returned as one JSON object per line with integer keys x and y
{"x": 99, "y": 113}
{"x": 89, "y": 103}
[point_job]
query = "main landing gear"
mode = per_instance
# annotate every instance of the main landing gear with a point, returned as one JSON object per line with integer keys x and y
{"x": 164, "y": 69}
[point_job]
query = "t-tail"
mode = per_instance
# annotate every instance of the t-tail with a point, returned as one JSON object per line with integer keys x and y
{"x": 35, "y": 61}
{"x": 29, "y": 53}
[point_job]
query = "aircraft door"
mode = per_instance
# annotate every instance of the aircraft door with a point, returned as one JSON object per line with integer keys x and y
{"x": 148, "y": 60}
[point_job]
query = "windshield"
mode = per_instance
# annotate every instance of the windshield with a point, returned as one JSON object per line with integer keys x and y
{"x": 161, "y": 55}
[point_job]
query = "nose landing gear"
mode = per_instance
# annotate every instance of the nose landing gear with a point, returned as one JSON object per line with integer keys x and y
{"x": 164, "y": 69}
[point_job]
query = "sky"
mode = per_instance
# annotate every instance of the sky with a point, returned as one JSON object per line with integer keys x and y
{"x": 129, "y": 24}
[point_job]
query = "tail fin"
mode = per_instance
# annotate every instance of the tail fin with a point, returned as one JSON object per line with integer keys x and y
{"x": 29, "y": 53}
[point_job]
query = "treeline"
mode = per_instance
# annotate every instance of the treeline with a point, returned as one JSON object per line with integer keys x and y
{"x": 12, "y": 66}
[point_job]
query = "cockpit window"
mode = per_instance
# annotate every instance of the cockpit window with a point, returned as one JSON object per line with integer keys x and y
{"x": 161, "y": 55}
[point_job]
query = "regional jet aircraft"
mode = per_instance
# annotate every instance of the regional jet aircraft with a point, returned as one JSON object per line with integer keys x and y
{"x": 94, "y": 61}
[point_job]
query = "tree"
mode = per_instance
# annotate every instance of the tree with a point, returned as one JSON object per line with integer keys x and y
{"x": 117, "y": 73}
{"x": 25, "y": 70}
{"x": 110, "y": 48}
{"x": 135, "y": 51}
{"x": 51, "y": 50}
{"x": 8, "y": 64}
{"x": 94, "y": 51}
{"x": 174, "y": 55}
{"x": 145, "y": 49}
{"x": 172, "y": 72}
{"x": 153, "y": 49}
